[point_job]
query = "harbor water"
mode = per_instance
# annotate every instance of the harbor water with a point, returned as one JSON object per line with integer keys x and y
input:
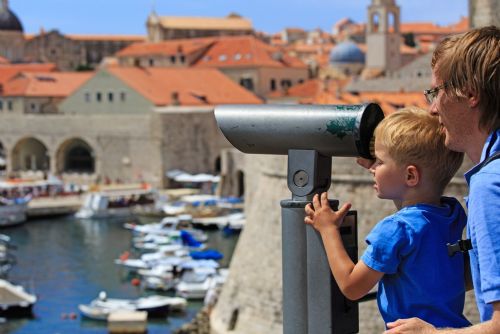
{"x": 67, "y": 262}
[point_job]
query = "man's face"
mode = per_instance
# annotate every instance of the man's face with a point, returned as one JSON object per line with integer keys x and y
{"x": 454, "y": 115}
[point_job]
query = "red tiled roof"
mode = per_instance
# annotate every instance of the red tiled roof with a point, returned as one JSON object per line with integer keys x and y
{"x": 388, "y": 101}
{"x": 171, "y": 47}
{"x": 194, "y": 86}
{"x": 39, "y": 84}
{"x": 10, "y": 70}
{"x": 244, "y": 51}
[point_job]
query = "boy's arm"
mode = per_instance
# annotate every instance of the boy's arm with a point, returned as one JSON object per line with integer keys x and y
{"x": 354, "y": 280}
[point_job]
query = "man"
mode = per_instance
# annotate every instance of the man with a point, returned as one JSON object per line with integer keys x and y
{"x": 465, "y": 95}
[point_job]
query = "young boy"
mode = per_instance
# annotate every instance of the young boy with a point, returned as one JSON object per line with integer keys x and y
{"x": 406, "y": 252}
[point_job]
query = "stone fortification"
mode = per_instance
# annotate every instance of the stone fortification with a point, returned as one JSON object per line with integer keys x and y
{"x": 125, "y": 147}
{"x": 484, "y": 12}
{"x": 251, "y": 300}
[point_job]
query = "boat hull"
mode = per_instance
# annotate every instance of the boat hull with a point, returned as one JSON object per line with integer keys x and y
{"x": 12, "y": 214}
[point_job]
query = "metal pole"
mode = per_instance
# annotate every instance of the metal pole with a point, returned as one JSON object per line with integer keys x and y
{"x": 294, "y": 268}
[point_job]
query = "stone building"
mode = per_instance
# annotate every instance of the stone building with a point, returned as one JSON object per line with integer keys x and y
{"x": 383, "y": 37}
{"x": 126, "y": 124}
{"x": 248, "y": 61}
{"x": 70, "y": 52}
{"x": 162, "y": 28}
{"x": 11, "y": 34}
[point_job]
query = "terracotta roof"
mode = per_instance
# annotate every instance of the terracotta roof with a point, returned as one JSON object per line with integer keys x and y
{"x": 170, "y": 47}
{"x": 43, "y": 84}
{"x": 312, "y": 88}
{"x": 194, "y": 86}
{"x": 8, "y": 71}
{"x": 116, "y": 38}
{"x": 206, "y": 23}
{"x": 432, "y": 28}
{"x": 245, "y": 51}
{"x": 389, "y": 102}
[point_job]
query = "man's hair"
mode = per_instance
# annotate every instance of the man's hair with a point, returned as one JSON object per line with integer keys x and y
{"x": 413, "y": 136}
{"x": 468, "y": 64}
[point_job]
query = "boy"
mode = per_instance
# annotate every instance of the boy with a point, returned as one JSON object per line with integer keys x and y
{"x": 406, "y": 251}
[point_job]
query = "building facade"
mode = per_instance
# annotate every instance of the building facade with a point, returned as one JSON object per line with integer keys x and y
{"x": 161, "y": 28}
{"x": 71, "y": 52}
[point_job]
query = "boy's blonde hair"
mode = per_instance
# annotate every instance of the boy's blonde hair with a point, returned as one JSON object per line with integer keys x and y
{"x": 413, "y": 136}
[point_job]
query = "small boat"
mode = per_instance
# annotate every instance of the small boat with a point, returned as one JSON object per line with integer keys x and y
{"x": 15, "y": 301}
{"x": 117, "y": 201}
{"x": 156, "y": 306}
{"x": 13, "y": 211}
{"x": 194, "y": 284}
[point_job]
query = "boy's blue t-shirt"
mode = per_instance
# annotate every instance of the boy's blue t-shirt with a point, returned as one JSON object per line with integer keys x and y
{"x": 483, "y": 228}
{"x": 420, "y": 279}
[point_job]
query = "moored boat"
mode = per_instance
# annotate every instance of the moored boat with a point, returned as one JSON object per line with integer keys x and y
{"x": 156, "y": 306}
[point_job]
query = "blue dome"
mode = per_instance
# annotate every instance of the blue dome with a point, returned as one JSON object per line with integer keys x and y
{"x": 347, "y": 52}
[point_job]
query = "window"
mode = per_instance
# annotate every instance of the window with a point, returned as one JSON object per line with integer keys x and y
{"x": 151, "y": 62}
{"x": 1, "y": 105}
{"x": 237, "y": 56}
{"x": 222, "y": 58}
{"x": 247, "y": 83}
{"x": 273, "y": 85}
{"x": 87, "y": 97}
{"x": 33, "y": 107}
{"x": 123, "y": 96}
{"x": 182, "y": 59}
{"x": 98, "y": 96}
{"x": 9, "y": 105}
{"x": 110, "y": 97}
{"x": 172, "y": 59}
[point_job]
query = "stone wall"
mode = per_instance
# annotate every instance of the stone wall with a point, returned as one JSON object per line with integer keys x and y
{"x": 127, "y": 147}
{"x": 251, "y": 300}
{"x": 484, "y": 13}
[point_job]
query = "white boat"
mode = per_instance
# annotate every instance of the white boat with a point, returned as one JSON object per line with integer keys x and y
{"x": 195, "y": 283}
{"x": 13, "y": 211}
{"x": 156, "y": 306}
{"x": 15, "y": 301}
{"x": 117, "y": 201}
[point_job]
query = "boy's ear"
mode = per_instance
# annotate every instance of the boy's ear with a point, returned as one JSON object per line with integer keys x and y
{"x": 412, "y": 175}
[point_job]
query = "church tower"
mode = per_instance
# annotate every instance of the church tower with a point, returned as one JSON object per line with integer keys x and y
{"x": 383, "y": 37}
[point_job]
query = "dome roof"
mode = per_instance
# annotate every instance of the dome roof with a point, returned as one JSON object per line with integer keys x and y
{"x": 9, "y": 20}
{"x": 347, "y": 52}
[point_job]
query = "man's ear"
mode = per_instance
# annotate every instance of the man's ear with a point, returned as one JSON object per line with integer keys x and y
{"x": 473, "y": 100}
{"x": 412, "y": 176}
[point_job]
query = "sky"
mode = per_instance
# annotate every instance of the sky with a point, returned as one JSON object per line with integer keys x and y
{"x": 128, "y": 17}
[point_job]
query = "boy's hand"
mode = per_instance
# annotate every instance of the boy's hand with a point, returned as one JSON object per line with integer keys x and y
{"x": 321, "y": 216}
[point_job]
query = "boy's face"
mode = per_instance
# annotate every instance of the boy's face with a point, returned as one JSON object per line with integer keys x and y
{"x": 389, "y": 177}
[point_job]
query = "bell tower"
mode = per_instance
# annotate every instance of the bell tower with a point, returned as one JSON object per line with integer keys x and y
{"x": 383, "y": 37}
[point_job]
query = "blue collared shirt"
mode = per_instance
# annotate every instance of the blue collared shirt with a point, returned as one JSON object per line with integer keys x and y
{"x": 483, "y": 227}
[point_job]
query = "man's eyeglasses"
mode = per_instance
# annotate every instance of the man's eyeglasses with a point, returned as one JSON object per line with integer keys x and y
{"x": 431, "y": 94}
